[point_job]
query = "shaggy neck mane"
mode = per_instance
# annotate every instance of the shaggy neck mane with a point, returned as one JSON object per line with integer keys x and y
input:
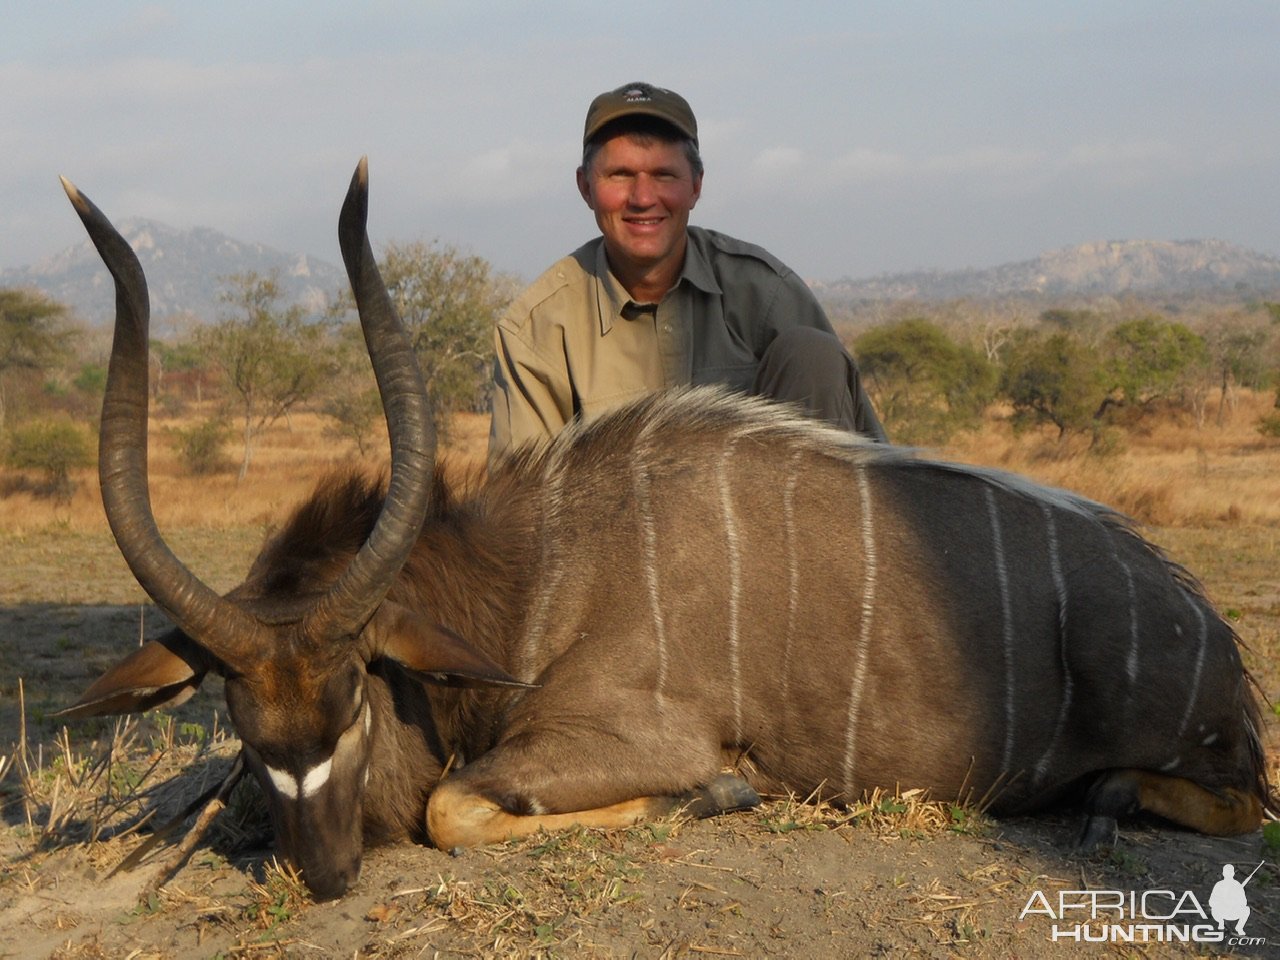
{"x": 326, "y": 530}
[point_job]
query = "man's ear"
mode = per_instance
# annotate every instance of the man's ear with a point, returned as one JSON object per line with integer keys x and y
{"x": 425, "y": 647}
{"x": 584, "y": 187}
{"x": 160, "y": 673}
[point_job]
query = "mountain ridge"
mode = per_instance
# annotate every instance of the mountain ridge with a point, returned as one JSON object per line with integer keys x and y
{"x": 1095, "y": 268}
{"x": 186, "y": 271}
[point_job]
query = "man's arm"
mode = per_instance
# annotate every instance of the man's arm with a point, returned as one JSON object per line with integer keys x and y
{"x": 798, "y": 306}
{"x": 530, "y": 402}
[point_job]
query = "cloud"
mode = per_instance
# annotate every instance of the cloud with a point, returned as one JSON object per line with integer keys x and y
{"x": 518, "y": 170}
{"x": 777, "y": 160}
{"x": 990, "y": 169}
{"x": 865, "y": 164}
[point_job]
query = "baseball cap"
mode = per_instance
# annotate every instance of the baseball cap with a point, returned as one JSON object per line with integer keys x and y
{"x": 640, "y": 99}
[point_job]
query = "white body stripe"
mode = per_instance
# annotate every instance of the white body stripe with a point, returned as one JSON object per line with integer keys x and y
{"x": 549, "y": 582}
{"x": 1006, "y": 613}
{"x": 649, "y": 552}
{"x": 1131, "y": 664}
{"x": 735, "y": 587}
{"x": 870, "y": 573}
{"x": 1200, "y": 655}
{"x": 1060, "y": 590}
{"x": 793, "y": 582}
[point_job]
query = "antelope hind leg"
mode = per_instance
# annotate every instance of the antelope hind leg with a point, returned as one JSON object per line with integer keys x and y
{"x": 461, "y": 817}
{"x": 1182, "y": 801}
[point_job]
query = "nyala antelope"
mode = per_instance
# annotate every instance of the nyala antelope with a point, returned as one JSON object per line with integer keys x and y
{"x": 697, "y": 579}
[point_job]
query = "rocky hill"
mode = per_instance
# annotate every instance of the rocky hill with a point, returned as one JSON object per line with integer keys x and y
{"x": 186, "y": 271}
{"x": 1105, "y": 268}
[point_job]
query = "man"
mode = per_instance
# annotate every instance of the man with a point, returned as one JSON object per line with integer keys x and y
{"x": 654, "y": 302}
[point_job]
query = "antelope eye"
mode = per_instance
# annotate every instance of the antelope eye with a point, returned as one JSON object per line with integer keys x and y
{"x": 359, "y": 717}
{"x": 358, "y": 707}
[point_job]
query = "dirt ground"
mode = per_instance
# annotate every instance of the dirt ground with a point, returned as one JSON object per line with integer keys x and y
{"x": 904, "y": 879}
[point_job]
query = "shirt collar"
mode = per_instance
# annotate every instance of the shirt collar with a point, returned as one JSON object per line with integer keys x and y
{"x": 612, "y": 297}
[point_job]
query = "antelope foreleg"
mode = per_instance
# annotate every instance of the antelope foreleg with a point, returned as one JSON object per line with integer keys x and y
{"x": 1217, "y": 812}
{"x": 460, "y": 817}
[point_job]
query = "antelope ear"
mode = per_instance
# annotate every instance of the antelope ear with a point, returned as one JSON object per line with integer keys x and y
{"x": 160, "y": 673}
{"x": 425, "y": 647}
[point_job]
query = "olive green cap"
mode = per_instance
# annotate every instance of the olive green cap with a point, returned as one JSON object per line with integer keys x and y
{"x": 640, "y": 99}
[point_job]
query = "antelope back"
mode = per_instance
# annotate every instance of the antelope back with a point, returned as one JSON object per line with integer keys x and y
{"x": 855, "y": 616}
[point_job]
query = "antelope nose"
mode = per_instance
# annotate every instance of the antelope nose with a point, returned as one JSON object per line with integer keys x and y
{"x": 331, "y": 880}
{"x": 330, "y": 886}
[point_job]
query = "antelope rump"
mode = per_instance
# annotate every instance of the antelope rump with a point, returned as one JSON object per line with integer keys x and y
{"x": 696, "y": 582}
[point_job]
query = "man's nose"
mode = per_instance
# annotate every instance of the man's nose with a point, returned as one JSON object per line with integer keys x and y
{"x": 643, "y": 194}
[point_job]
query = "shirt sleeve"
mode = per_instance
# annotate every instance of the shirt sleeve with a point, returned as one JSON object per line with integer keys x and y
{"x": 529, "y": 402}
{"x": 797, "y": 306}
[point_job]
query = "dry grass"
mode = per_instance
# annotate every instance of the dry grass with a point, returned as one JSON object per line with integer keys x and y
{"x": 117, "y": 784}
{"x": 288, "y": 459}
{"x": 1168, "y": 473}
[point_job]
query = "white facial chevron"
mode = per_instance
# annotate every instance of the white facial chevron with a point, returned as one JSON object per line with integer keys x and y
{"x": 289, "y": 786}
{"x": 312, "y": 780}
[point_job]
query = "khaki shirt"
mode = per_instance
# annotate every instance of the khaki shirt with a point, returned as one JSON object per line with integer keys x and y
{"x": 575, "y": 344}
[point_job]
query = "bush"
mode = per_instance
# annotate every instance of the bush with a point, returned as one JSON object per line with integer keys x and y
{"x": 1053, "y": 379}
{"x": 54, "y": 448}
{"x": 199, "y": 448}
{"x": 925, "y": 385}
{"x": 1269, "y": 426}
{"x": 355, "y": 413}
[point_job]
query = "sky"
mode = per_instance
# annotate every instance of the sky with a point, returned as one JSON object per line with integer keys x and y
{"x": 848, "y": 138}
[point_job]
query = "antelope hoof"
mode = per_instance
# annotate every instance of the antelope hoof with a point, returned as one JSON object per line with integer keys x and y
{"x": 724, "y": 794}
{"x": 1099, "y": 830}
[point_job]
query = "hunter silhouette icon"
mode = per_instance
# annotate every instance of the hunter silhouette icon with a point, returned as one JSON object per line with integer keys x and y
{"x": 1228, "y": 902}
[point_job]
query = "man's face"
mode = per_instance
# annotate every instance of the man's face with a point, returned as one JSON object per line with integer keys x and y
{"x": 641, "y": 191}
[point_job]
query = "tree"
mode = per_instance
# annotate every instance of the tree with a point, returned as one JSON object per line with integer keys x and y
{"x": 351, "y": 399}
{"x": 54, "y": 447}
{"x": 199, "y": 447}
{"x": 1237, "y": 356}
{"x": 270, "y": 356}
{"x": 1055, "y": 379}
{"x": 449, "y": 302}
{"x": 1085, "y": 324}
{"x": 178, "y": 360}
{"x": 33, "y": 336}
{"x": 1150, "y": 359}
{"x": 923, "y": 382}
